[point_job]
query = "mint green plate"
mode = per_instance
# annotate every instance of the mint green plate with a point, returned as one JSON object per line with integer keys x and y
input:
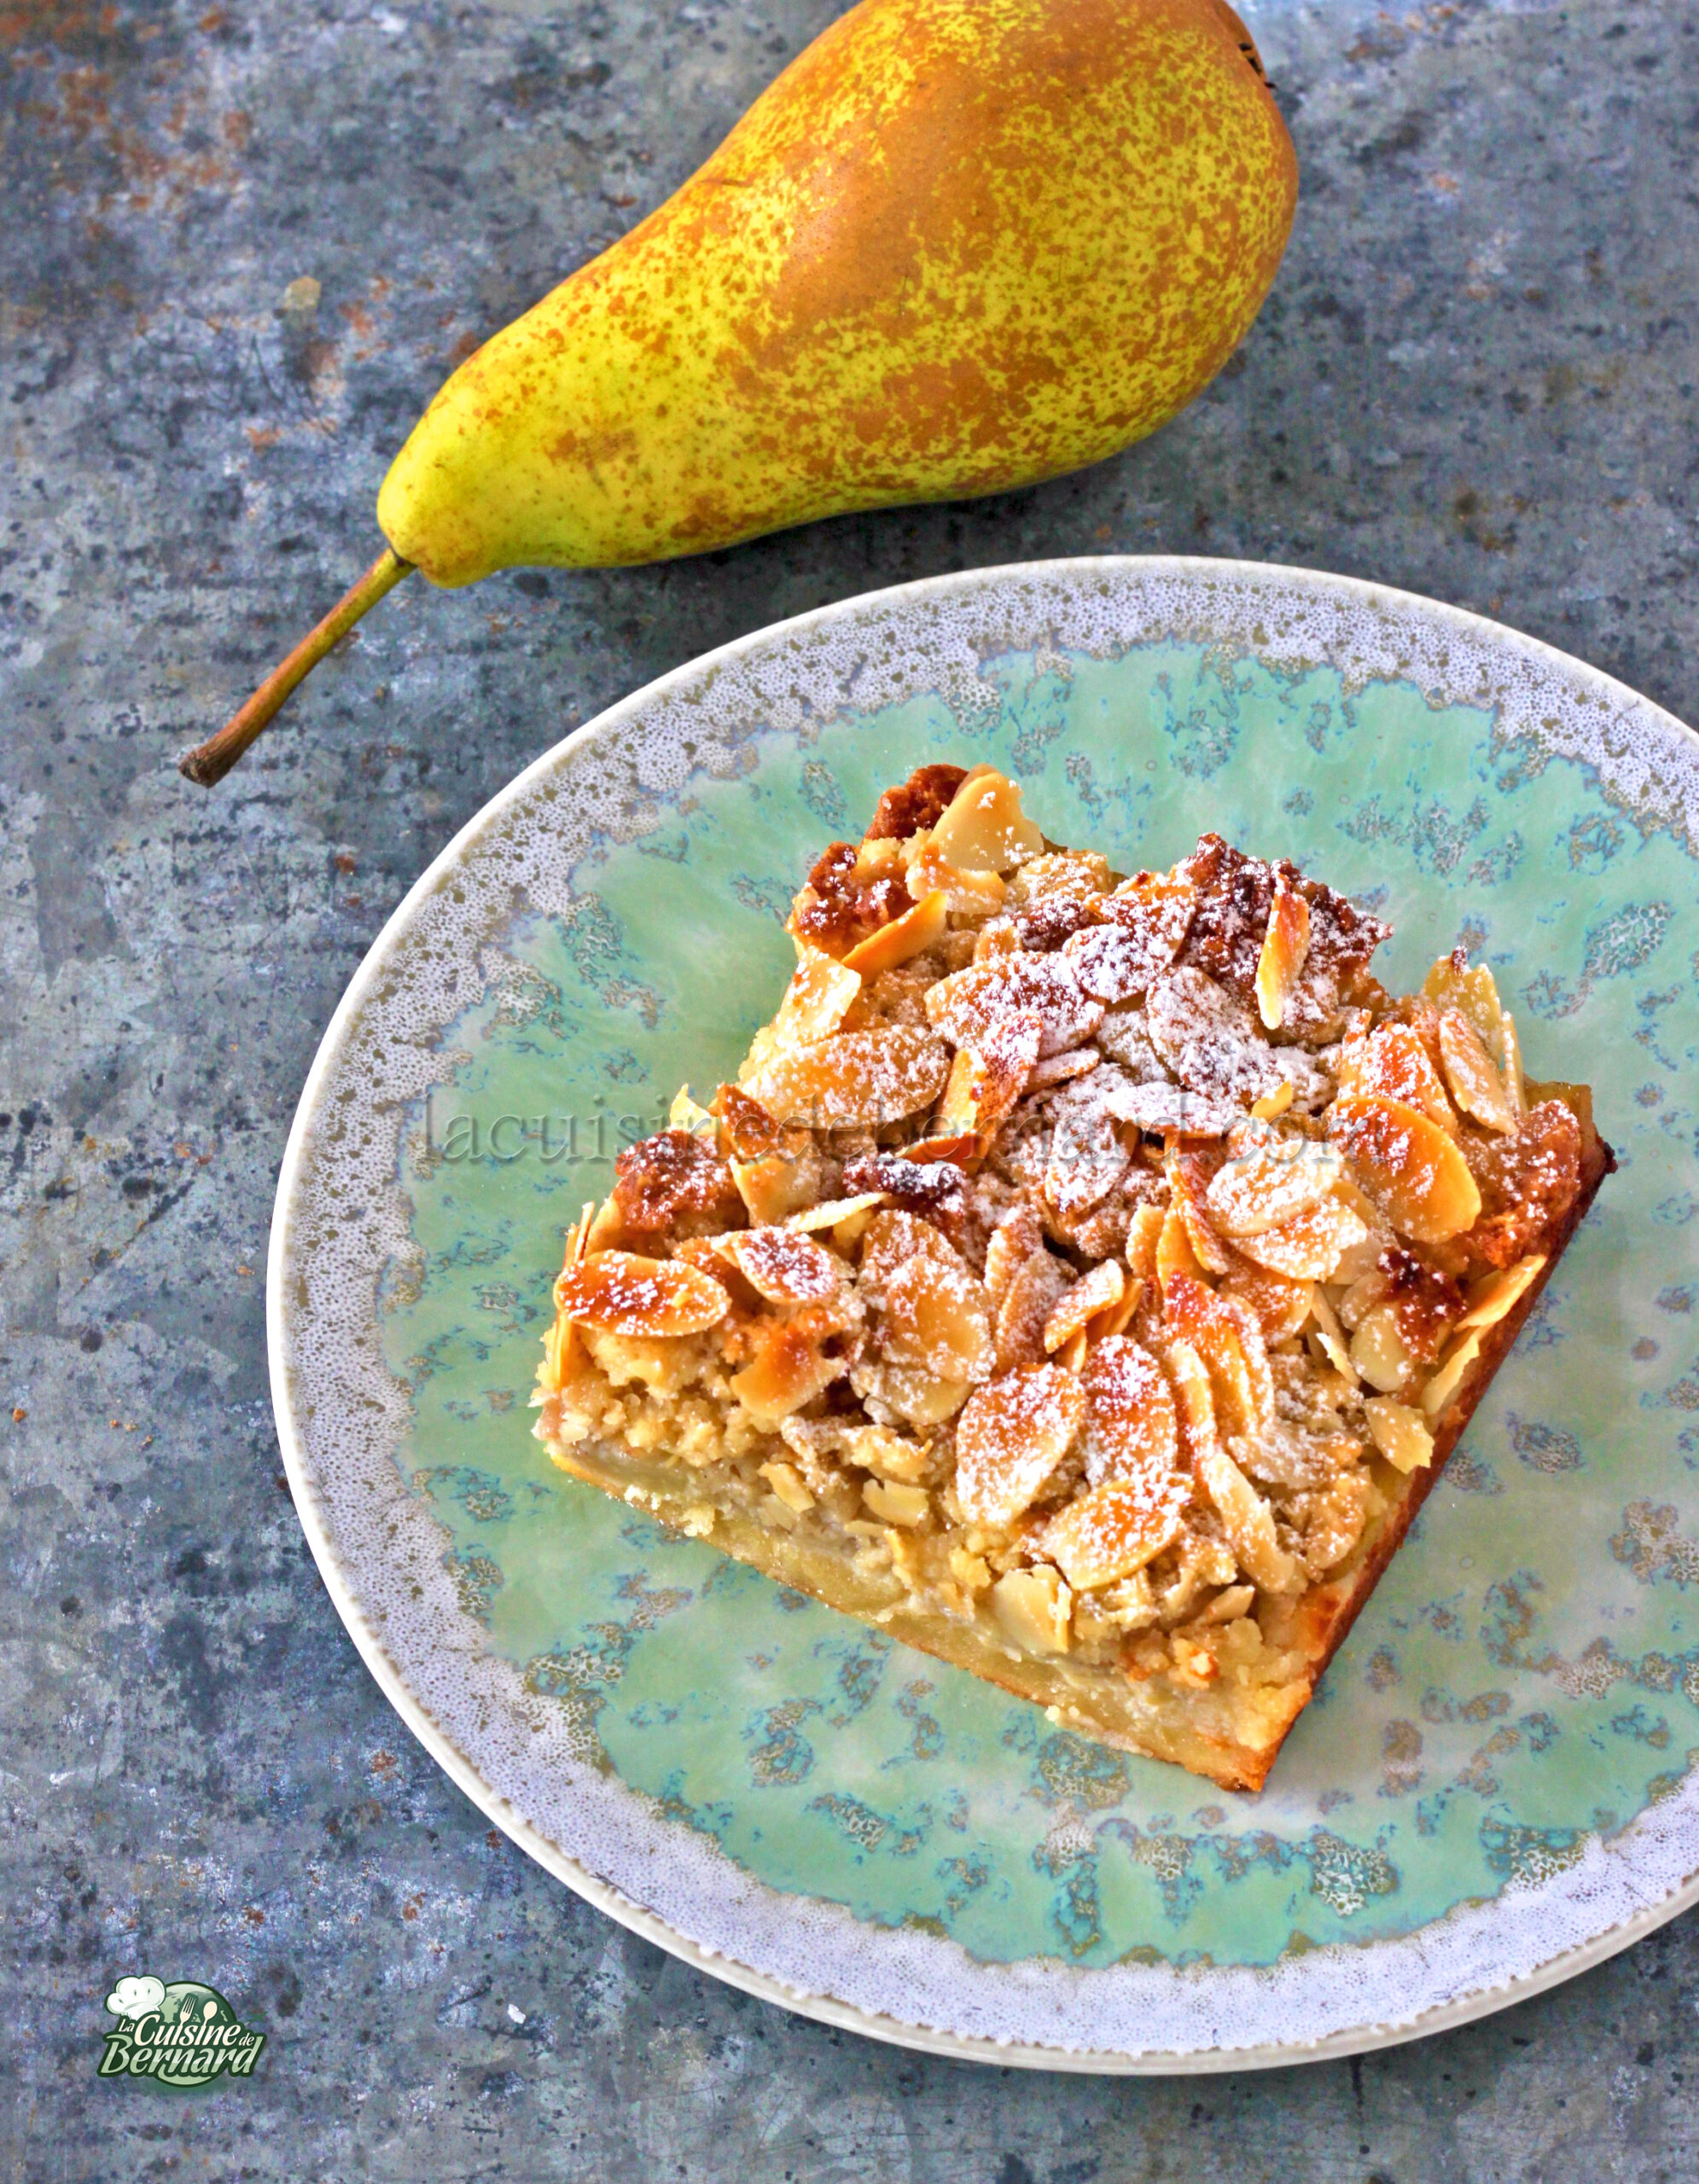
{"x": 1497, "y": 1783}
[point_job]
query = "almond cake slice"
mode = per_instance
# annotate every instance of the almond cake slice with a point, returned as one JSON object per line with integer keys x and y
{"x": 1087, "y": 1277}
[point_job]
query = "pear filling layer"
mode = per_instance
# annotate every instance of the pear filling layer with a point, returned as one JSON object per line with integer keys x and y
{"x": 1080, "y": 1274}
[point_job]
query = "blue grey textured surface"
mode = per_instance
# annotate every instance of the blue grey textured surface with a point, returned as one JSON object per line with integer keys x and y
{"x": 245, "y": 239}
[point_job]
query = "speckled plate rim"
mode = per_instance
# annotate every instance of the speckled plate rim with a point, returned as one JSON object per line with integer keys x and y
{"x": 1488, "y": 1991}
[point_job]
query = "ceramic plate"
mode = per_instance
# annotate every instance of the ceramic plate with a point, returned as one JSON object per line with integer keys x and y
{"x": 1497, "y": 1784}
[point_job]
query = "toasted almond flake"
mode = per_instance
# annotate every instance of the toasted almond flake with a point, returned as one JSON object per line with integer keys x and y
{"x": 1272, "y": 1104}
{"x": 1099, "y": 1291}
{"x": 777, "y": 1185}
{"x": 789, "y": 1368}
{"x": 983, "y": 828}
{"x": 835, "y": 1211}
{"x": 684, "y": 1114}
{"x": 1027, "y": 1303}
{"x": 897, "y": 1504}
{"x": 938, "y": 1316}
{"x": 1129, "y": 1419}
{"x": 1308, "y": 1247}
{"x": 1174, "y": 1252}
{"x": 1511, "y": 1065}
{"x": 1496, "y": 1294}
{"x": 1245, "y": 1517}
{"x": 1276, "y": 1179}
{"x": 1225, "y": 1336}
{"x": 1011, "y": 1437}
{"x": 1378, "y": 1355}
{"x": 915, "y": 931}
{"x": 1114, "y": 1530}
{"x": 1143, "y": 1237}
{"x": 987, "y": 1080}
{"x": 1335, "y": 1344}
{"x": 1446, "y": 1381}
{"x": 966, "y": 1006}
{"x": 1472, "y": 1074}
{"x": 1113, "y": 964}
{"x": 629, "y": 1295}
{"x": 782, "y": 1265}
{"x": 1402, "y": 1435}
{"x": 1111, "y": 1321}
{"x": 1061, "y": 1069}
{"x": 821, "y": 994}
{"x": 1281, "y": 1304}
{"x": 1394, "y": 1061}
{"x": 1017, "y": 1235}
{"x": 970, "y": 894}
{"x": 1285, "y": 948}
{"x": 786, "y": 1483}
{"x": 959, "y": 1150}
{"x": 1033, "y": 1609}
{"x": 1455, "y": 982}
{"x": 854, "y": 1078}
{"x": 1407, "y": 1165}
{"x": 1189, "y": 1188}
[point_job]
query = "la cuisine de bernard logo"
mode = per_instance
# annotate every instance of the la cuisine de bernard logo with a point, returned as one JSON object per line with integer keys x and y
{"x": 184, "y": 2035}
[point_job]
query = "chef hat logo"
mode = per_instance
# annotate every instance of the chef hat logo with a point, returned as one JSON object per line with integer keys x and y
{"x": 134, "y": 1998}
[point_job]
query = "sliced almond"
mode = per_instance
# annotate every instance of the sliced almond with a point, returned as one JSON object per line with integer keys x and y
{"x": 983, "y": 827}
{"x": 787, "y": 1482}
{"x": 1189, "y": 1194}
{"x": 783, "y": 1265}
{"x": 1378, "y": 1355}
{"x": 916, "y": 930}
{"x": 1402, "y": 1435}
{"x": 1407, "y": 1165}
{"x": 1033, "y": 1609}
{"x": 1331, "y": 1338}
{"x": 854, "y": 1078}
{"x": 789, "y": 1368}
{"x": 896, "y": 1504}
{"x": 1449, "y": 1379}
{"x": 1274, "y": 1180}
{"x": 1473, "y": 1075}
{"x": 966, "y": 1006}
{"x": 1100, "y": 1291}
{"x": 1130, "y": 1427}
{"x": 1017, "y": 1235}
{"x": 630, "y": 1295}
{"x": 821, "y": 994}
{"x": 1273, "y": 1103}
{"x": 1393, "y": 1060}
{"x": 778, "y": 1184}
{"x": 1225, "y": 1336}
{"x": 1143, "y": 1237}
{"x": 1285, "y": 949}
{"x": 937, "y": 1317}
{"x": 1113, "y": 1318}
{"x": 985, "y": 1080}
{"x": 1309, "y": 1247}
{"x": 834, "y": 1210}
{"x": 1032, "y": 1296}
{"x": 1113, "y": 1530}
{"x": 1174, "y": 1252}
{"x": 1011, "y": 1437}
{"x": 969, "y": 894}
{"x": 1455, "y": 982}
{"x": 686, "y": 1114}
{"x": 1281, "y": 1304}
{"x": 1496, "y": 1294}
{"x": 1245, "y": 1517}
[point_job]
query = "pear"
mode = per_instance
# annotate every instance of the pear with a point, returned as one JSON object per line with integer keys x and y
{"x": 958, "y": 246}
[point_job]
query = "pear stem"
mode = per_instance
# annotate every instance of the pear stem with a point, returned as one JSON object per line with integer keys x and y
{"x": 209, "y": 762}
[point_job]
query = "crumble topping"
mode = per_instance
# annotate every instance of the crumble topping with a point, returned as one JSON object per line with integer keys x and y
{"x": 1096, "y": 1254}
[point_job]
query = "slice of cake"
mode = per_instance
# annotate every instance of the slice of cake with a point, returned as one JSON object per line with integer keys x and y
{"x": 1087, "y": 1277}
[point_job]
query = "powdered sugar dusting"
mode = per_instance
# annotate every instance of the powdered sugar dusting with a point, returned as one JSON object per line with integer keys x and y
{"x": 342, "y": 1415}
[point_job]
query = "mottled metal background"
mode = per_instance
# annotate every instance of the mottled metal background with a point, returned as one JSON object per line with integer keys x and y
{"x": 242, "y": 241}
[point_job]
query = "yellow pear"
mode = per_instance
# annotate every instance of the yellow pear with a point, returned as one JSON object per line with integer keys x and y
{"x": 958, "y": 246}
